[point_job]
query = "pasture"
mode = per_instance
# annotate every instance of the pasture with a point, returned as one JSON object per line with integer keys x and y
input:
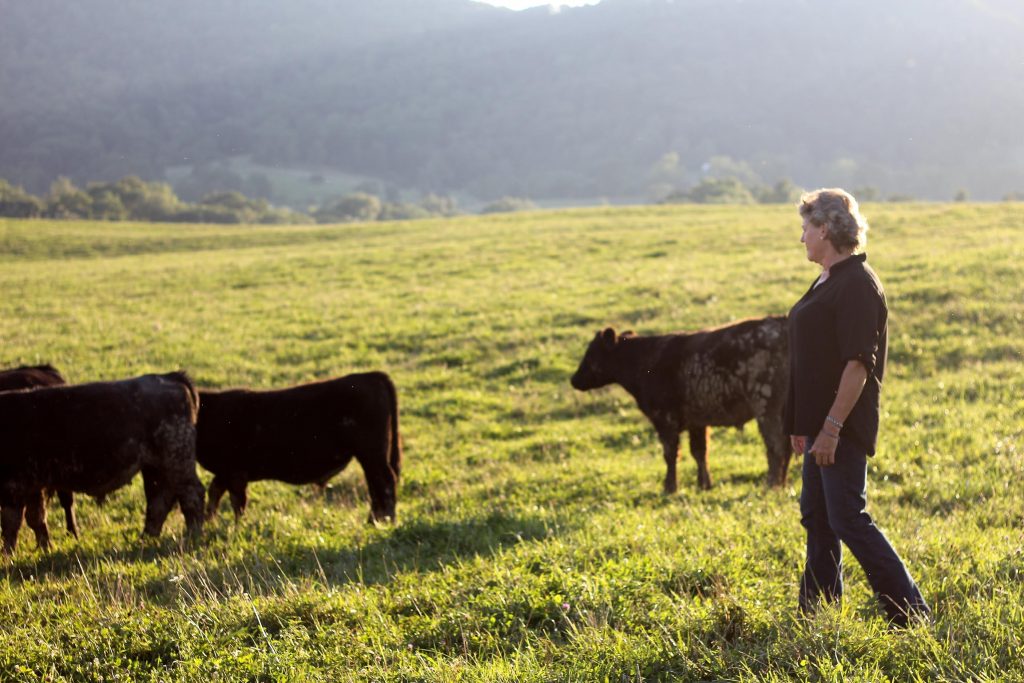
{"x": 533, "y": 542}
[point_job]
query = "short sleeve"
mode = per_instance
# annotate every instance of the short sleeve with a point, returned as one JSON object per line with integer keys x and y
{"x": 860, "y": 318}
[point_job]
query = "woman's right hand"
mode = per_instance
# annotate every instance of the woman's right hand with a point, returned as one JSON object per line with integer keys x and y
{"x": 798, "y": 443}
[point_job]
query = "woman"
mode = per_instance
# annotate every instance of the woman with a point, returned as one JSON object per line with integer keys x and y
{"x": 837, "y": 353}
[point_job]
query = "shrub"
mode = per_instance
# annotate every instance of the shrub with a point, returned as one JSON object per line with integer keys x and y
{"x": 508, "y": 205}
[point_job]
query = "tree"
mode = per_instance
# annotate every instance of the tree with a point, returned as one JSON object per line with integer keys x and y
{"x": 65, "y": 200}
{"x": 147, "y": 201}
{"x": 16, "y": 203}
{"x": 439, "y": 205}
{"x": 726, "y": 168}
{"x": 234, "y": 201}
{"x": 403, "y": 212}
{"x": 508, "y": 205}
{"x": 106, "y": 204}
{"x": 357, "y": 206}
{"x": 235, "y": 207}
{"x": 783, "y": 192}
{"x": 713, "y": 191}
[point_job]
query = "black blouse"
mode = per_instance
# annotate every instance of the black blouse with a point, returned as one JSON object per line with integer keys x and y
{"x": 842, "y": 319}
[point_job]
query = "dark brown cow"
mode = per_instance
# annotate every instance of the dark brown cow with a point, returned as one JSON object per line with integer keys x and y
{"x": 29, "y": 377}
{"x": 302, "y": 435}
{"x": 718, "y": 377}
{"x": 94, "y": 438}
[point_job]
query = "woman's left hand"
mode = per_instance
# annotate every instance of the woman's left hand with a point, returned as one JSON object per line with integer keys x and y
{"x": 824, "y": 449}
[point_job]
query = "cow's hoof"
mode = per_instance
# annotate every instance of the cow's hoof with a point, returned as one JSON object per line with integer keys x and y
{"x": 380, "y": 520}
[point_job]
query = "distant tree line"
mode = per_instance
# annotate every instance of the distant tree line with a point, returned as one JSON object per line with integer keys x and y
{"x": 733, "y": 190}
{"x": 133, "y": 199}
{"x": 137, "y": 200}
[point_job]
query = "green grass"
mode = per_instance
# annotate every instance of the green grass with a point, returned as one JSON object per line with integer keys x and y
{"x": 533, "y": 542}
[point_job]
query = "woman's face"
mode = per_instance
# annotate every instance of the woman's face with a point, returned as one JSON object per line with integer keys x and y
{"x": 815, "y": 241}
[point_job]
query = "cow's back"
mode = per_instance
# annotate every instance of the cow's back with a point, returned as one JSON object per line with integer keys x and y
{"x": 299, "y": 434}
{"x": 729, "y": 375}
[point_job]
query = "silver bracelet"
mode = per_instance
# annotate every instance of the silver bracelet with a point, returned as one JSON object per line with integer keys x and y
{"x": 837, "y": 423}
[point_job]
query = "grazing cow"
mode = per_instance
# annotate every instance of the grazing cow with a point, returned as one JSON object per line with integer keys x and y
{"x": 29, "y": 377}
{"x": 718, "y": 377}
{"x": 94, "y": 438}
{"x": 302, "y": 435}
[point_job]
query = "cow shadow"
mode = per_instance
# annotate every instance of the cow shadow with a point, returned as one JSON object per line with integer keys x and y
{"x": 73, "y": 560}
{"x": 416, "y": 546}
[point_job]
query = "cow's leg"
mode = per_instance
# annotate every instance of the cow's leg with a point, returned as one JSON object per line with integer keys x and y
{"x": 190, "y": 495}
{"x": 213, "y": 496}
{"x": 172, "y": 471}
{"x": 669, "y": 437}
{"x": 35, "y": 517}
{"x": 776, "y": 443}
{"x": 699, "y": 451}
{"x": 11, "y": 516}
{"x": 67, "y": 501}
{"x": 380, "y": 481}
{"x": 239, "y": 499}
{"x": 159, "y": 499}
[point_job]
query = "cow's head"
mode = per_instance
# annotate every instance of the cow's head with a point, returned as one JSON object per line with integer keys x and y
{"x": 595, "y": 368}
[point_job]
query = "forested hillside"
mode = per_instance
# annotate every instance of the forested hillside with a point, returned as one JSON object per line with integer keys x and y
{"x": 625, "y": 99}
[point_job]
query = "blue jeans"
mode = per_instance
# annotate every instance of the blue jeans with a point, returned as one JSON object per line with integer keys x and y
{"x": 832, "y": 509}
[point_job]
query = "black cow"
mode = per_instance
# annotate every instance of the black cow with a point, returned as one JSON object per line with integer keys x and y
{"x": 30, "y": 377}
{"x": 719, "y": 377}
{"x": 302, "y": 435}
{"x": 94, "y": 438}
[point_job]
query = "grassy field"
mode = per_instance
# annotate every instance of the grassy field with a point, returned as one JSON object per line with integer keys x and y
{"x": 533, "y": 543}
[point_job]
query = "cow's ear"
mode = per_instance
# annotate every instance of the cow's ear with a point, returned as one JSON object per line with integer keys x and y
{"x": 608, "y": 336}
{"x": 627, "y": 333}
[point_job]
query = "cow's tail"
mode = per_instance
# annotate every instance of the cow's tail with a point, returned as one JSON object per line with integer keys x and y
{"x": 395, "y": 456}
{"x": 182, "y": 377}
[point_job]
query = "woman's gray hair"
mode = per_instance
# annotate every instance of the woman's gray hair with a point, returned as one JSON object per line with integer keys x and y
{"x": 837, "y": 210}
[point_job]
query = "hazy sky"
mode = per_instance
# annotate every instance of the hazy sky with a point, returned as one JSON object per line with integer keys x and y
{"x": 523, "y": 4}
